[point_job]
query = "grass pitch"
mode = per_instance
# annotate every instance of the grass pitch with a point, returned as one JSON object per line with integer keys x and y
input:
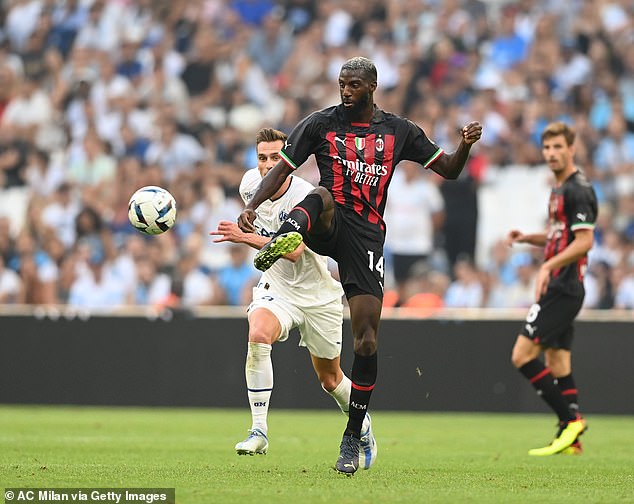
{"x": 423, "y": 457}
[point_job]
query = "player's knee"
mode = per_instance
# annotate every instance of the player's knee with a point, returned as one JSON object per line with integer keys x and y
{"x": 557, "y": 368}
{"x": 326, "y": 197}
{"x": 519, "y": 358}
{"x": 259, "y": 335}
{"x": 328, "y": 381}
{"x": 366, "y": 344}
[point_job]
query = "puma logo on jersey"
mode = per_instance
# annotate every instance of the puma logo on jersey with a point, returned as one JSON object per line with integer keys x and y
{"x": 340, "y": 140}
{"x": 581, "y": 217}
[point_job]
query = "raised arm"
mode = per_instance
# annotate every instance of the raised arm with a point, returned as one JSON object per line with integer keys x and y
{"x": 535, "y": 239}
{"x": 267, "y": 188}
{"x": 450, "y": 166}
{"x": 230, "y": 232}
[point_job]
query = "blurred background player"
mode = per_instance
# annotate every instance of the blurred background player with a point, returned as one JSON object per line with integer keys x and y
{"x": 559, "y": 289}
{"x": 298, "y": 292}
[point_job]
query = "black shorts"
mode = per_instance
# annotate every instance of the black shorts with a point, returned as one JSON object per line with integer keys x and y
{"x": 549, "y": 322}
{"x": 359, "y": 253}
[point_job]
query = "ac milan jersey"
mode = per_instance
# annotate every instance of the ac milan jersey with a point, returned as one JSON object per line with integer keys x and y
{"x": 572, "y": 206}
{"x": 356, "y": 160}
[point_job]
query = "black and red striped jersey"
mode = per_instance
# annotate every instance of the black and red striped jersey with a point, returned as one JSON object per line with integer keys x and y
{"x": 572, "y": 206}
{"x": 356, "y": 160}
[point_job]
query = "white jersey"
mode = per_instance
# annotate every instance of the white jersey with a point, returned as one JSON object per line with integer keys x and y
{"x": 307, "y": 281}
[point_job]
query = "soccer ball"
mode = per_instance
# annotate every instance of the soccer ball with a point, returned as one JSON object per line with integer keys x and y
{"x": 152, "y": 210}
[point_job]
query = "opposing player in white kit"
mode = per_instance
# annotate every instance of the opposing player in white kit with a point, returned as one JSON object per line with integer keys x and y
{"x": 299, "y": 292}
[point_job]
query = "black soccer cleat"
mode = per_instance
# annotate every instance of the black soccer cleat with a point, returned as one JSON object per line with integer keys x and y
{"x": 348, "y": 461}
{"x": 279, "y": 246}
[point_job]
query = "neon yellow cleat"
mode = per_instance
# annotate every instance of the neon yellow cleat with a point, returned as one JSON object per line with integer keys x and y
{"x": 574, "y": 449}
{"x": 276, "y": 248}
{"x": 566, "y": 438}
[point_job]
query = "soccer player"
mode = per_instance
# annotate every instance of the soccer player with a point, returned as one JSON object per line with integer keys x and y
{"x": 357, "y": 145}
{"x": 559, "y": 290}
{"x": 298, "y": 292}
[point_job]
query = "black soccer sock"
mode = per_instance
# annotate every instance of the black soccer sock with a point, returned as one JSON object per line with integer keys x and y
{"x": 303, "y": 216}
{"x": 569, "y": 390}
{"x": 363, "y": 377}
{"x": 544, "y": 382}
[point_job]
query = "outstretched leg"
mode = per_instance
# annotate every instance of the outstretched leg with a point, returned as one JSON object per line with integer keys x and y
{"x": 314, "y": 212}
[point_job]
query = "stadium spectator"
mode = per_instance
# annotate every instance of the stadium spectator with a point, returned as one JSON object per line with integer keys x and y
{"x": 574, "y": 64}
{"x": 520, "y": 293}
{"x": 238, "y": 278}
{"x": 10, "y": 284}
{"x": 623, "y": 277}
{"x": 44, "y": 175}
{"x": 60, "y": 214}
{"x": 175, "y": 152}
{"x": 30, "y": 111}
{"x": 466, "y": 291}
{"x": 198, "y": 287}
{"x": 413, "y": 219}
{"x": 96, "y": 285}
{"x": 92, "y": 168}
{"x": 271, "y": 44}
{"x": 151, "y": 287}
{"x": 427, "y": 290}
{"x": 38, "y": 273}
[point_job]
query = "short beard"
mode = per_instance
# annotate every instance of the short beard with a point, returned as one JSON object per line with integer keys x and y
{"x": 358, "y": 108}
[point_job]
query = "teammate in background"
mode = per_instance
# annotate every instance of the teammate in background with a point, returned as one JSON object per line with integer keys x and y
{"x": 559, "y": 290}
{"x": 298, "y": 293}
{"x": 357, "y": 145}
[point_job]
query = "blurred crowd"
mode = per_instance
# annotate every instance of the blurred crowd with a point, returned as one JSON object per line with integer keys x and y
{"x": 101, "y": 97}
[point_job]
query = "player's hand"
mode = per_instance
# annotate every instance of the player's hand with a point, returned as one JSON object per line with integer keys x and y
{"x": 514, "y": 236}
{"x": 471, "y": 133}
{"x": 228, "y": 231}
{"x": 246, "y": 220}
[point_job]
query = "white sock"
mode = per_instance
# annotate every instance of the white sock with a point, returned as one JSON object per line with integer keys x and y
{"x": 341, "y": 394}
{"x": 259, "y": 374}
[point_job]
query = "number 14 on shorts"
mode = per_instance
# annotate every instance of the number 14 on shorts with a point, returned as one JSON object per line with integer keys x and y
{"x": 375, "y": 266}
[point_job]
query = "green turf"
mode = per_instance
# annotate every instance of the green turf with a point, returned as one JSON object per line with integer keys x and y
{"x": 430, "y": 458}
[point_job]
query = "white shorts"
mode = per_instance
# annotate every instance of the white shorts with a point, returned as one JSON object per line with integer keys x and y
{"x": 320, "y": 327}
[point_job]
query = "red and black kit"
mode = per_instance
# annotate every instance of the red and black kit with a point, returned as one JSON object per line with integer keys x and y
{"x": 572, "y": 206}
{"x": 356, "y": 162}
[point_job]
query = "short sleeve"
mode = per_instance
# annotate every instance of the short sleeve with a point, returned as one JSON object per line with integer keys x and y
{"x": 583, "y": 211}
{"x": 418, "y": 147}
{"x": 250, "y": 182}
{"x": 302, "y": 142}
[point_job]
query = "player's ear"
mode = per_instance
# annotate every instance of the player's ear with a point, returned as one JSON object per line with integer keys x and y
{"x": 372, "y": 86}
